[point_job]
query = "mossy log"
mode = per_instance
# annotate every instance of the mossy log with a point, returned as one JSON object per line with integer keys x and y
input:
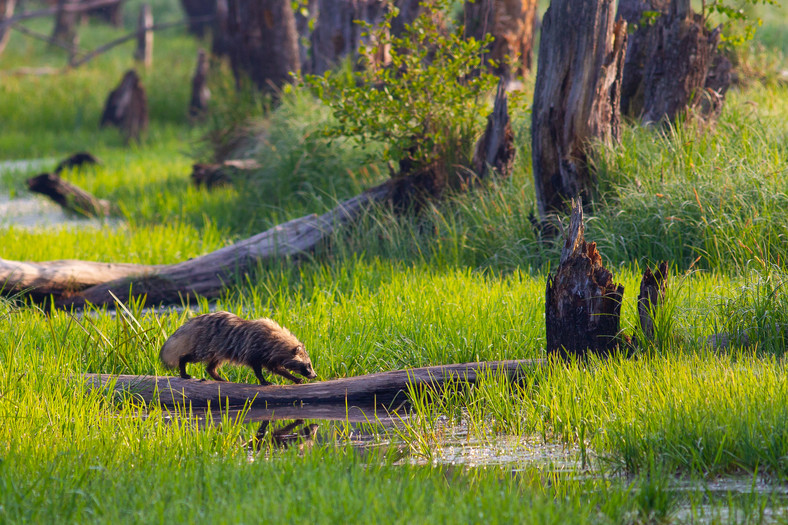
{"x": 380, "y": 389}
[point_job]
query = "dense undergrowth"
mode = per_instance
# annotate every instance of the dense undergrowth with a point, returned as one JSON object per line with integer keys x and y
{"x": 464, "y": 281}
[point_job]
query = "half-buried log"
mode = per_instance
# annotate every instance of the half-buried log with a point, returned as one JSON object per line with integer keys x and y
{"x": 68, "y": 196}
{"x": 384, "y": 388}
{"x": 582, "y": 303}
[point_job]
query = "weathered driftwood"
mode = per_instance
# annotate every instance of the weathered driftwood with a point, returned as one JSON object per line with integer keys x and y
{"x": 77, "y": 160}
{"x": 582, "y": 303}
{"x": 652, "y": 295}
{"x": 127, "y": 107}
{"x": 215, "y": 175}
{"x": 495, "y": 149}
{"x": 576, "y": 99}
{"x": 381, "y": 389}
{"x": 68, "y": 196}
{"x": 76, "y": 283}
{"x": 200, "y": 92}
{"x": 511, "y": 23}
{"x": 144, "y": 51}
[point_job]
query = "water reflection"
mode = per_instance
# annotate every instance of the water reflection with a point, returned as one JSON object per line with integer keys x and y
{"x": 272, "y": 433}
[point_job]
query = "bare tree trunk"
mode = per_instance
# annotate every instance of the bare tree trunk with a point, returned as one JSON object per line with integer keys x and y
{"x": 144, "y": 51}
{"x": 200, "y": 92}
{"x": 199, "y": 13}
{"x": 127, "y": 107}
{"x": 336, "y": 35}
{"x": 65, "y": 29}
{"x": 220, "y": 46}
{"x": 6, "y": 12}
{"x": 511, "y": 23}
{"x": 576, "y": 100}
{"x": 263, "y": 42}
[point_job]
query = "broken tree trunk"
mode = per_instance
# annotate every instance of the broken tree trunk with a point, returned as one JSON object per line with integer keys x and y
{"x": 200, "y": 92}
{"x": 511, "y": 23}
{"x": 144, "y": 51}
{"x": 6, "y": 12}
{"x": 582, "y": 303}
{"x": 652, "y": 295}
{"x": 673, "y": 67}
{"x": 68, "y": 196}
{"x": 77, "y": 283}
{"x": 127, "y": 107}
{"x": 495, "y": 149}
{"x": 576, "y": 100}
{"x": 383, "y": 388}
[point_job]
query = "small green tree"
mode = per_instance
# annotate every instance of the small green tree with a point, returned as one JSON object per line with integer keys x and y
{"x": 419, "y": 93}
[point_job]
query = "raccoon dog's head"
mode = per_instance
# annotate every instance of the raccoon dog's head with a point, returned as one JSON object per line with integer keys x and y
{"x": 300, "y": 363}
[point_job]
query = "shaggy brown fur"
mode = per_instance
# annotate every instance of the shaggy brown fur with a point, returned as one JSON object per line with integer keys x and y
{"x": 222, "y": 337}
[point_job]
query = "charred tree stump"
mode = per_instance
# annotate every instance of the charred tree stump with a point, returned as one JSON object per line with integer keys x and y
{"x": 576, "y": 100}
{"x": 262, "y": 42}
{"x": 582, "y": 303}
{"x": 144, "y": 51}
{"x": 652, "y": 295}
{"x": 511, "y": 23}
{"x": 6, "y": 12}
{"x": 127, "y": 107}
{"x": 199, "y": 13}
{"x": 68, "y": 196}
{"x": 495, "y": 149}
{"x": 673, "y": 67}
{"x": 200, "y": 92}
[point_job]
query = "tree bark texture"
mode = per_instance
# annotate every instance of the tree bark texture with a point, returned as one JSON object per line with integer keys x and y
{"x": 381, "y": 389}
{"x": 68, "y": 196}
{"x": 200, "y": 92}
{"x": 199, "y": 13}
{"x": 336, "y": 35}
{"x": 6, "y": 12}
{"x": 127, "y": 107}
{"x": 576, "y": 99}
{"x": 582, "y": 303}
{"x": 511, "y": 23}
{"x": 262, "y": 42}
{"x": 673, "y": 67}
{"x": 144, "y": 50}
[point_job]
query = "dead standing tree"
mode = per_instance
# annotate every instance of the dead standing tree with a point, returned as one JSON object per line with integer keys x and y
{"x": 144, "y": 51}
{"x": 576, "y": 100}
{"x": 511, "y": 23}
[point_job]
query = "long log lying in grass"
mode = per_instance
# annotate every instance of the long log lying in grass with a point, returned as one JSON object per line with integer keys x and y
{"x": 76, "y": 283}
{"x": 384, "y": 388}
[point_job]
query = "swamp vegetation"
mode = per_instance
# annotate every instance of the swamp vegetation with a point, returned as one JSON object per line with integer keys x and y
{"x": 681, "y": 432}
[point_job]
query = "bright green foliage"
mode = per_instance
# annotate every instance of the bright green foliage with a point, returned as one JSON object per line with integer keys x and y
{"x": 426, "y": 104}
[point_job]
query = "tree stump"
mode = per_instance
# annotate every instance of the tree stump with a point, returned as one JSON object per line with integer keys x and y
{"x": 76, "y": 160}
{"x": 652, "y": 295}
{"x": 68, "y": 196}
{"x": 582, "y": 303}
{"x": 511, "y": 23}
{"x": 127, "y": 107}
{"x": 200, "y": 92}
{"x": 65, "y": 29}
{"x": 6, "y": 12}
{"x": 144, "y": 51}
{"x": 495, "y": 149}
{"x": 576, "y": 100}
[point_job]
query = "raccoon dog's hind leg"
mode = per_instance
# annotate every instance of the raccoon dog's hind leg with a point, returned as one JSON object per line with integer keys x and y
{"x": 211, "y": 367}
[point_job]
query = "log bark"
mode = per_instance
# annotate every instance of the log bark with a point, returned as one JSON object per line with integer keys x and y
{"x": 381, "y": 389}
{"x": 6, "y": 12}
{"x": 262, "y": 42}
{"x": 582, "y": 303}
{"x": 511, "y": 23}
{"x": 495, "y": 149}
{"x": 127, "y": 107}
{"x": 199, "y": 13}
{"x": 144, "y": 51}
{"x": 77, "y": 283}
{"x": 200, "y": 92}
{"x": 576, "y": 100}
{"x": 652, "y": 295}
{"x": 68, "y": 196}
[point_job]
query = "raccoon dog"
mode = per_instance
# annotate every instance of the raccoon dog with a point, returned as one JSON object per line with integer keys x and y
{"x": 222, "y": 337}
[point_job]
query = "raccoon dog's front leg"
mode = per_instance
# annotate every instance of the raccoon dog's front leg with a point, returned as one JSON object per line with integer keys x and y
{"x": 182, "y": 365}
{"x": 258, "y": 373}
{"x": 287, "y": 375}
{"x": 211, "y": 369}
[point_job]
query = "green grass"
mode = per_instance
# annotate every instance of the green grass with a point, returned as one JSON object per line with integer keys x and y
{"x": 462, "y": 282}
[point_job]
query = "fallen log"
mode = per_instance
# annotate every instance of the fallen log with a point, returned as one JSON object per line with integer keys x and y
{"x": 77, "y": 283}
{"x": 70, "y": 197}
{"x": 381, "y": 389}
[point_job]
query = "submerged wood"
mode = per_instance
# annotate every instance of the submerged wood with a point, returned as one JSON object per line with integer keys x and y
{"x": 381, "y": 389}
{"x": 70, "y": 197}
{"x": 582, "y": 303}
{"x": 77, "y": 283}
